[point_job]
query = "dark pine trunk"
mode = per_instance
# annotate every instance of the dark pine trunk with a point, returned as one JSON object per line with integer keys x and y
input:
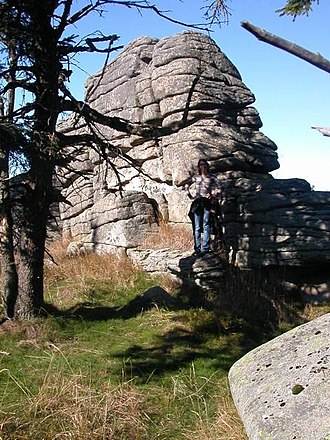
{"x": 33, "y": 227}
{"x": 8, "y": 267}
{"x": 43, "y": 156}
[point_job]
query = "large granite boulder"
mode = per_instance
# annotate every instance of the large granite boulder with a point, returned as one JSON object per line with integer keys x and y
{"x": 282, "y": 389}
{"x": 188, "y": 85}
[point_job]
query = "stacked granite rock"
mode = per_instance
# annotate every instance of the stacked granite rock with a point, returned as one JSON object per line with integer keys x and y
{"x": 204, "y": 273}
{"x": 280, "y": 222}
{"x": 188, "y": 85}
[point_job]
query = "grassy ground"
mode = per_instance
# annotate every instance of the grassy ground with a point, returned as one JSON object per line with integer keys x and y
{"x": 108, "y": 366}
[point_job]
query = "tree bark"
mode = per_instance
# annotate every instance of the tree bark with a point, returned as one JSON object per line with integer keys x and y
{"x": 30, "y": 301}
{"x": 7, "y": 257}
{"x": 32, "y": 224}
{"x": 38, "y": 193}
{"x": 313, "y": 58}
{"x": 8, "y": 267}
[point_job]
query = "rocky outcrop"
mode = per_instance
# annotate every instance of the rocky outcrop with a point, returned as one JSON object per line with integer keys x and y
{"x": 276, "y": 222}
{"x": 282, "y": 388}
{"x": 196, "y": 275}
{"x": 187, "y": 84}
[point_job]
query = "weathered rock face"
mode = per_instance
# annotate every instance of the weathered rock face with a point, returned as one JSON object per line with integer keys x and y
{"x": 277, "y": 222}
{"x": 187, "y": 84}
{"x": 282, "y": 388}
{"x": 199, "y": 275}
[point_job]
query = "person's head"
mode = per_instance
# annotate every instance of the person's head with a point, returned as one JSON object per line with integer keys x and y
{"x": 203, "y": 165}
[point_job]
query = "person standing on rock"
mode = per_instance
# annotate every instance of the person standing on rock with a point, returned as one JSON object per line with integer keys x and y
{"x": 205, "y": 201}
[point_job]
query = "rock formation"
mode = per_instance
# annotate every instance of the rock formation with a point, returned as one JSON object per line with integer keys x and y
{"x": 282, "y": 388}
{"x": 187, "y": 84}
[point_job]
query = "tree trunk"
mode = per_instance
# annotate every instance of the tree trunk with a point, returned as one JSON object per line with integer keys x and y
{"x": 7, "y": 257}
{"x": 8, "y": 267}
{"x": 42, "y": 158}
{"x": 30, "y": 301}
{"x": 313, "y": 58}
{"x": 33, "y": 230}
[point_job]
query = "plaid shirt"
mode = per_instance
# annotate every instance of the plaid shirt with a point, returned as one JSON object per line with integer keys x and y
{"x": 205, "y": 186}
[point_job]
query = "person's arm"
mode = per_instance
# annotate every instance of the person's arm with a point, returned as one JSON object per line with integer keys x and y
{"x": 216, "y": 187}
{"x": 188, "y": 185}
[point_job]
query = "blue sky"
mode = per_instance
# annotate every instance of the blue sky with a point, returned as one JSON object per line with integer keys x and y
{"x": 291, "y": 94}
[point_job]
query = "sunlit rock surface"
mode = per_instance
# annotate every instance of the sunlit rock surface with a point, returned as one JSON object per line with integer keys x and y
{"x": 282, "y": 388}
{"x": 186, "y": 83}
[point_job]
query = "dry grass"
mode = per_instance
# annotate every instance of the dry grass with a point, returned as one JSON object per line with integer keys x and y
{"x": 227, "y": 425}
{"x": 170, "y": 236}
{"x": 65, "y": 408}
{"x": 311, "y": 311}
{"x": 67, "y": 279}
{"x": 91, "y": 265}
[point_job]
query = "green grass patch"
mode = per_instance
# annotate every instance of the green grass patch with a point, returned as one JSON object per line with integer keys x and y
{"x": 176, "y": 370}
{"x": 109, "y": 365}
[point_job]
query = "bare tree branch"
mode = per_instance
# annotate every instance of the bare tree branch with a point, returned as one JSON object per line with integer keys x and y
{"x": 21, "y": 112}
{"x": 90, "y": 46}
{"x": 217, "y": 12}
{"x": 324, "y": 130}
{"x": 146, "y": 5}
{"x": 123, "y": 125}
{"x": 313, "y": 58}
{"x": 17, "y": 68}
{"x": 83, "y": 12}
{"x": 64, "y": 18}
{"x": 15, "y": 84}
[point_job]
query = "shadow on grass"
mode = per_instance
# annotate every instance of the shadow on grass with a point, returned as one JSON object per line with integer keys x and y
{"x": 154, "y": 297}
{"x": 217, "y": 347}
{"x": 216, "y": 337}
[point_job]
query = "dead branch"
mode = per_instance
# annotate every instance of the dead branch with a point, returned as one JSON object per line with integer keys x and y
{"x": 313, "y": 58}
{"x": 324, "y": 130}
{"x": 91, "y": 47}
